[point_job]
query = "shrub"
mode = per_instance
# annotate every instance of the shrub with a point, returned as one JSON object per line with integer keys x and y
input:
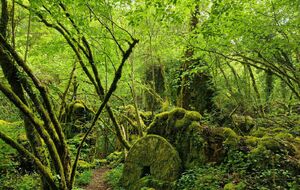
{"x": 113, "y": 177}
{"x": 84, "y": 178}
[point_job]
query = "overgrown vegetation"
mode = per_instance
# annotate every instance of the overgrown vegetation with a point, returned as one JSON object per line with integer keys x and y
{"x": 170, "y": 94}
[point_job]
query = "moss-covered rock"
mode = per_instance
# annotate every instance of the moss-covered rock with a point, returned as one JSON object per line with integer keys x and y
{"x": 168, "y": 124}
{"x": 76, "y": 115}
{"x": 267, "y": 142}
{"x": 151, "y": 162}
{"x": 243, "y": 123}
{"x": 195, "y": 143}
{"x": 273, "y": 151}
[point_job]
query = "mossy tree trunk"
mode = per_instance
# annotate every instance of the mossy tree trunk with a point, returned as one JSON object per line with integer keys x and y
{"x": 155, "y": 80}
{"x": 196, "y": 90}
{"x": 269, "y": 87}
{"x": 61, "y": 174}
{"x": 13, "y": 76}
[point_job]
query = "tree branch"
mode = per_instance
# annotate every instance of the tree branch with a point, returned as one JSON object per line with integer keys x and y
{"x": 112, "y": 88}
{"x": 23, "y": 151}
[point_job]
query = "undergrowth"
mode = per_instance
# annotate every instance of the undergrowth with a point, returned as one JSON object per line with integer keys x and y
{"x": 113, "y": 177}
{"x": 84, "y": 178}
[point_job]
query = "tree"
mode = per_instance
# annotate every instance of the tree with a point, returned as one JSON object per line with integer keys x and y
{"x": 41, "y": 114}
{"x": 196, "y": 87}
{"x": 262, "y": 35}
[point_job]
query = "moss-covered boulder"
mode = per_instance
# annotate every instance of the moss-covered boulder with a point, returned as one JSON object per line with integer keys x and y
{"x": 76, "y": 115}
{"x": 151, "y": 162}
{"x": 195, "y": 143}
{"x": 264, "y": 142}
{"x": 243, "y": 124}
{"x": 77, "y": 110}
{"x": 169, "y": 124}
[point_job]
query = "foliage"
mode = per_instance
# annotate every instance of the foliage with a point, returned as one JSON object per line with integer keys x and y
{"x": 248, "y": 49}
{"x": 8, "y": 157}
{"x": 84, "y": 178}
{"x": 241, "y": 171}
{"x": 16, "y": 181}
{"x": 206, "y": 177}
{"x": 114, "y": 176}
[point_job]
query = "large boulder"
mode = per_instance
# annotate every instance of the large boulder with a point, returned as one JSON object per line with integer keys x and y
{"x": 195, "y": 143}
{"x": 76, "y": 115}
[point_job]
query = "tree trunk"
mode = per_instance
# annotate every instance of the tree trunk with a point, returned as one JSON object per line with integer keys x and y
{"x": 12, "y": 75}
{"x": 195, "y": 91}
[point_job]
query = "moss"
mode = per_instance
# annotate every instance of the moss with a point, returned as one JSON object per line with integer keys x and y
{"x": 233, "y": 186}
{"x": 167, "y": 124}
{"x": 231, "y": 138}
{"x": 180, "y": 128}
{"x": 243, "y": 123}
{"x": 147, "y": 117}
{"x": 271, "y": 144}
{"x": 115, "y": 158}
{"x": 258, "y": 132}
{"x": 22, "y": 138}
{"x": 278, "y": 130}
{"x": 3, "y": 122}
{"x": 251, "y": 140}
{"x": 193, "y": 115}
{"x": 196, "y": 144}
{"x": 78, "y": 105}
{"x": 151, "y": 157}
{"x": 185, "y": 118}
{"x": 83, "y": 165}
{"x": 283, "y": 135}
{"x": 262, "y": 131}
{"x": 129, "y": 111}
{"x": 75, "y": 116}
{"x": 295, "y": 131}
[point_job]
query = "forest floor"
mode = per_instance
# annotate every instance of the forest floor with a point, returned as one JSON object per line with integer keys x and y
{"x": 98, "y": 182}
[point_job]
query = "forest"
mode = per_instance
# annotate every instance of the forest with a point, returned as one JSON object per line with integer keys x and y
{"x": 150, "y": 94}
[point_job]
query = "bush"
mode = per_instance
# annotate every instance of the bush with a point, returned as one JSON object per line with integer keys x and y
{"x": 206, "y": 177}
{"x": 113, "y": 177}
{"x": 84, "y": 178}
{"x": 28, "y": 182}
{"x": 14, "y": 181}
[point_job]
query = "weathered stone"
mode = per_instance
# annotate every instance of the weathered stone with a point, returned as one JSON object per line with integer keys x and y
{"x": 182, "y": 129}
{"x": 151, "y": 162}
{"x": 196, "y": 144}
{"x": 243, "y": 123}
{"x": 74, "y": 118}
